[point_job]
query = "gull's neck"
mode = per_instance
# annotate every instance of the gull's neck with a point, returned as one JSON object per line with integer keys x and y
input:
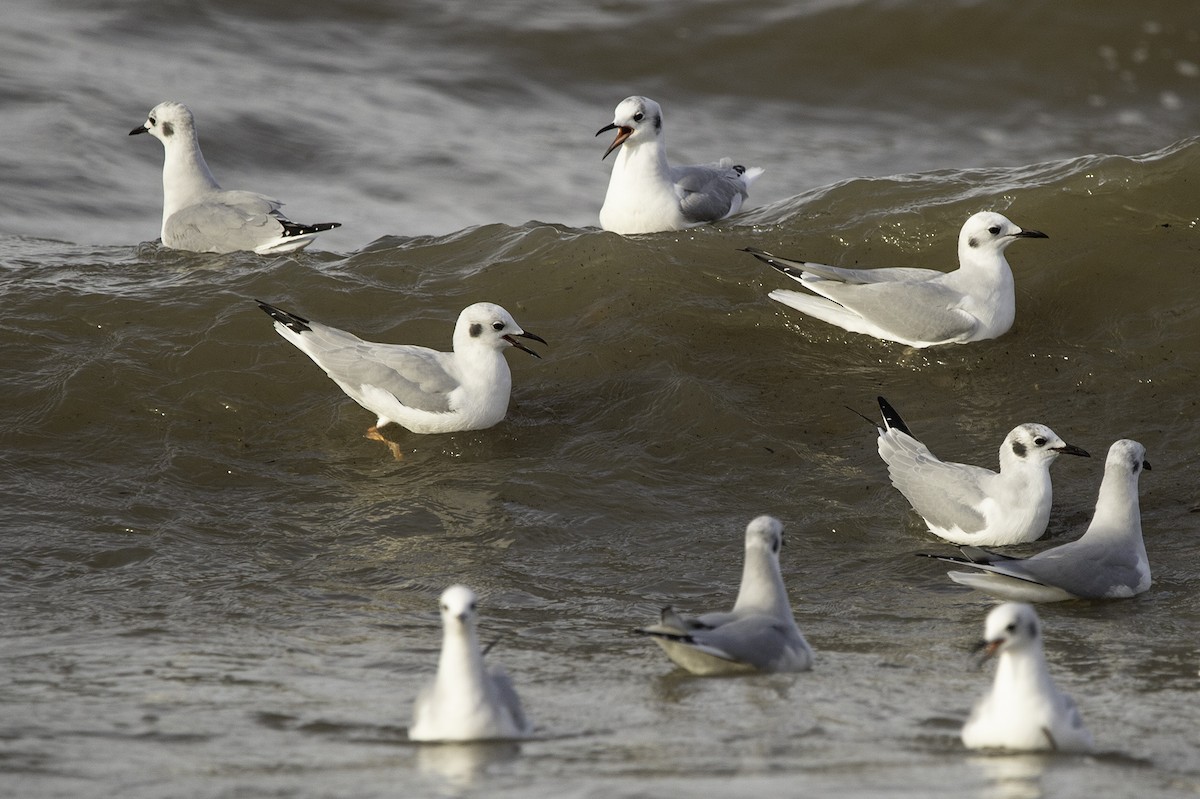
{"x": 644, "y": 161}
{"x": 762, "y": 589}
{"x": 185, "y": 175}
{"x": 641, "y": 196}
{"x": 986, "y": 280}
{"x": 1118, "y": 515}
{"x": 1023, "y": 671}
{"x": 460, "y": 666}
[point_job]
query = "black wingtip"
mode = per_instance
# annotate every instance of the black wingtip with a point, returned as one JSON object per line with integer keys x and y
{"x": 292, "y": 229}
{"x": 891, "y": 418}
{"x": 682, "y": 638}
{"x": 285, "y": 318}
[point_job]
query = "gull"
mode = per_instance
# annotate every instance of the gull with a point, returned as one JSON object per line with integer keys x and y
{"x": 969, "y": 504}
{"x": 418, "y": 388}
{"x": 1107, "y": 562}
{"x": 200, "y": 216}
{"x": 466, "y": 701}
{"x": 759, "y": 634}
{"x": 917, "y": 307}
{"x": 1024, "y": 710}
{"x": 647, "y": 195}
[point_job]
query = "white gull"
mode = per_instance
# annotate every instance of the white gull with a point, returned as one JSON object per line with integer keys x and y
{"x": 647, "y": 195}
{"x": 917, "y": 307}
{"x": 200, "y": 216}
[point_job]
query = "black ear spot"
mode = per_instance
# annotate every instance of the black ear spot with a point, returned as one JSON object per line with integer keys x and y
{"x": 658, "y": 121}
{"x": 1033, "y": 630}
{"x": 972, "y": 242}
{"x": 475, "y": 330}
{"x": 168, "y": 129}
{"x": 1018, "y": 449}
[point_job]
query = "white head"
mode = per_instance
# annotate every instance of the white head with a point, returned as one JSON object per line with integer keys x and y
{"x": 168, "y": 122}
{"x": 487, "y": 324}
{"x": 1127, "y": 456}
{"x": 458, "y": 605}
{"x": 1011, "y": 627}
{"x": 988, "y": 231}
{"x": 765, "y": 533}
{"x": 1034, "y": 444}
{"x": 762, "y": 589}
{"x": 636, "y": 120}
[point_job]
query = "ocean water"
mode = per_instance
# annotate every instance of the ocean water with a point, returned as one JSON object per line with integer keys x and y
{"x": 213, "y": 586}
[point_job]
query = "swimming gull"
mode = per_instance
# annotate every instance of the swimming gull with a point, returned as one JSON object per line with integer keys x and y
{"x": 917, "y": 307}
{"x": 200, "y": 216}
{"x": 1024, "y": 710}
{"x": 418, "y": 388}
{"x": 1107, "y": 562}
{"x": 968, "y": 504}
{"x": 647, "y": 195}
{"x": 466, "y": 701}
{"x": 759, "y": 634}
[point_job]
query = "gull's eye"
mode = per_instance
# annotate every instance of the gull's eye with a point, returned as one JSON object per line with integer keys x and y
{"x": 994, "y": 230}
{"x": 472, "y": 607}
{"x": 1039, "y": 441}
{"x": 152, "y": 121}
{"x": 497, "y": 325}
{"x": 1012, "y": 628}
{"x": 639, "y": 116}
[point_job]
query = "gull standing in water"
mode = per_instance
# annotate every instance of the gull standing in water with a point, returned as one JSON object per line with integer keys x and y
{"x": 466, "y": 701}
{"x": 418, "y": 388}
{"x": 968, "y": 504}
{"x": 1024, "y": 710}
{"x": 200, "y": 216}
{"x": 1107, "y": 562}
{"x": 917, "y": 307}
{"x": 759, "y": 634}
{"x": 647, "y": 195}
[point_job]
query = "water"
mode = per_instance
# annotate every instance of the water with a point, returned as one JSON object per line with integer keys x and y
{"x": 214, "y": 586}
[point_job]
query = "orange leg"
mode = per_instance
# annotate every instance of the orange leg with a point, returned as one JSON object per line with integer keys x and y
{"x": 375, "y": 435}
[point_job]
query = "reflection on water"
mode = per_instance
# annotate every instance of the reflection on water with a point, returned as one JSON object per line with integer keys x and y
{"x": 463, "y": 764}
{"x": 1012, "y": 776}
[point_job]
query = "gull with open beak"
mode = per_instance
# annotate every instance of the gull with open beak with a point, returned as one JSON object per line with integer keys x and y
{"x": 424, "y": 390}
{"x": 1024, "y": 710}
{"x": 647, "y": 195}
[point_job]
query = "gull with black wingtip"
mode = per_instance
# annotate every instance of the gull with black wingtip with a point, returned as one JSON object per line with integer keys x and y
{"x": 200, "y": 216}
{"x": 759, "y": 634}
{"x": 1107, "y": 562}
{"x": 917, "y": 307}
{"x": 424, "y": 390}
{"x": 967, "y": 504}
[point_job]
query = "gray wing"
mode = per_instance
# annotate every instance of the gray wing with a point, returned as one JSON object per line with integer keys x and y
{"x": 415, "y": 376}
{"x": 945, "y": 494}
{"x": 1085, "y": 571}
{"x": 506, "y": 695}
{"x": 674, "y": 625}
{"x": 806, "y": 271}
{"x": 757, "y": 640}
{"x": 225, "y": 221}
{"x": 920, "y": 311}
{"x": 886, "y": 274}
{"x": 706, "y": 193}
